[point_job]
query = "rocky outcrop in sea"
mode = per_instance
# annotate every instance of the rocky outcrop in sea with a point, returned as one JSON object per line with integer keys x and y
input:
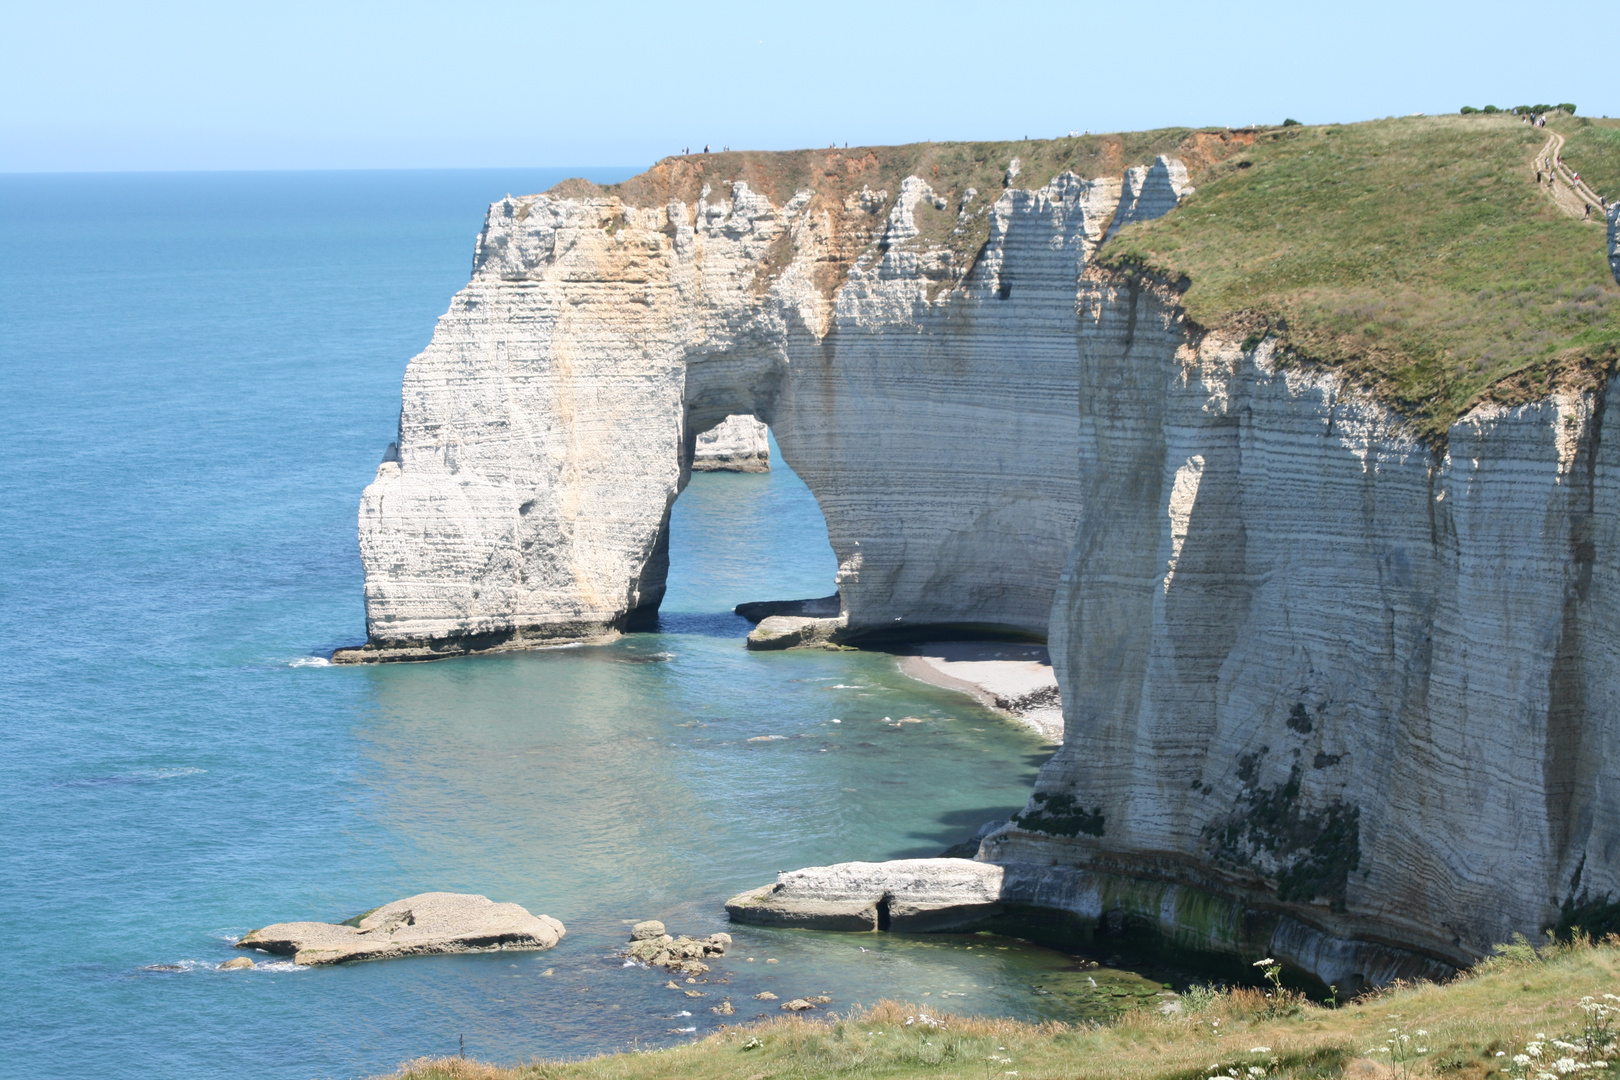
{"x": 650, "y": 945}
{"x": 736, "y": 444}
{"x": 434, "y": 922}
{"x": 1316, "y": 674}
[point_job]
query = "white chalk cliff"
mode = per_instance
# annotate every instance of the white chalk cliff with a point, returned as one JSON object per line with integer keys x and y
{"x": 1317, "y": 677}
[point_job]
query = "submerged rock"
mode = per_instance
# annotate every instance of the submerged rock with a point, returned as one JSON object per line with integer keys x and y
{"x": 435, "y": 922}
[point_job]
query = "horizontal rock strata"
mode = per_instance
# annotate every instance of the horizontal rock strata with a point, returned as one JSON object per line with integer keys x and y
{"x": 426, "y": 923}
{"x": 1309, "y": 666}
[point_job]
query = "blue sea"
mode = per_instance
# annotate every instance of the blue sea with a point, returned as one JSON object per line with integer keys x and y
{"x": 198, "y": 375}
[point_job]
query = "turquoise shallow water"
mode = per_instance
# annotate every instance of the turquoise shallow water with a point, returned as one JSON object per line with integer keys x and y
{"x": 199, "y": 375}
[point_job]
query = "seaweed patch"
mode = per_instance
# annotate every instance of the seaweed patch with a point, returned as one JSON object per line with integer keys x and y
{"x": 1309, "y": 854}
{"x": 1060, "y": 815}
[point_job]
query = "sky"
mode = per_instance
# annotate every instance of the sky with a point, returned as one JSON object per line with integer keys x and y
{"x": 172, "y": 85}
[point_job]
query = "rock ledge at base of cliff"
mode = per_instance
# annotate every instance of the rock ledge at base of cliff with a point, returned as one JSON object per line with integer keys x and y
{"x": 1064, "y": 905}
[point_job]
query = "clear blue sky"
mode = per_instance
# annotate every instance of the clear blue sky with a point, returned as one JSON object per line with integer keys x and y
{"x": 166, "y": 84}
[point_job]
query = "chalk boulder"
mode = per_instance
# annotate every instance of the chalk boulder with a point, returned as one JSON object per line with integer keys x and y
{"x": 793, "y": 632}
{"x": 435, "y": 922}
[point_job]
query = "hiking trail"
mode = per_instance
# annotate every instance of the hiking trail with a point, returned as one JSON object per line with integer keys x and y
{"x": 1571, "y": 195}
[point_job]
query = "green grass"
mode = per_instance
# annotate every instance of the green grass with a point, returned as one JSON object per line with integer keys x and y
{"x": 1416, "y": 255}
{"x": 1459, "y": 1028}
{"x": 1593, "y": 150}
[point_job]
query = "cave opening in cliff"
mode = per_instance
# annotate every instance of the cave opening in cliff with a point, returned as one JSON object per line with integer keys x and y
{"x": 883, "y": 913}
{"x": 746, "y": 530}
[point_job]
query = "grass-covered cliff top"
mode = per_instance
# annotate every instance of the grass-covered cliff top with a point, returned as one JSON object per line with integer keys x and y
{"x": 1417, "y": 255}
{"x": 1469, "y": 1029}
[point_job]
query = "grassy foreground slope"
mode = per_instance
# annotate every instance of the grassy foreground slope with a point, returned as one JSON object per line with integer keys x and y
{"x": 1467, "y": 1029}
{"x": 1417, "y": 255}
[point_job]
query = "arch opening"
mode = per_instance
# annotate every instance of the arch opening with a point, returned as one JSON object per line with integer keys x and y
{"x": 744, "y": 530}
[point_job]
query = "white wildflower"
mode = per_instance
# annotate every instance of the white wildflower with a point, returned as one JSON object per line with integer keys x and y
{"x": 1256, "y": 1071}
{"x": 1259, "y": 1049}
{"x": 1263, "y": 963}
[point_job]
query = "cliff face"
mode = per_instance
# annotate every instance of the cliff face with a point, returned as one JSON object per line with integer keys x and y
{"x": 1314, "y": 673}
{"x": 550, "y": 425}
{"x": 1311, "y": 665}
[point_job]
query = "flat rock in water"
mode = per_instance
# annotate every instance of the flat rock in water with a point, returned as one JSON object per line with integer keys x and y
{"x": 436, "y": 922}
{"x": 793, "y": 632}
{"x": 902, "y": 894}
{"x": 821, "y": 607}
